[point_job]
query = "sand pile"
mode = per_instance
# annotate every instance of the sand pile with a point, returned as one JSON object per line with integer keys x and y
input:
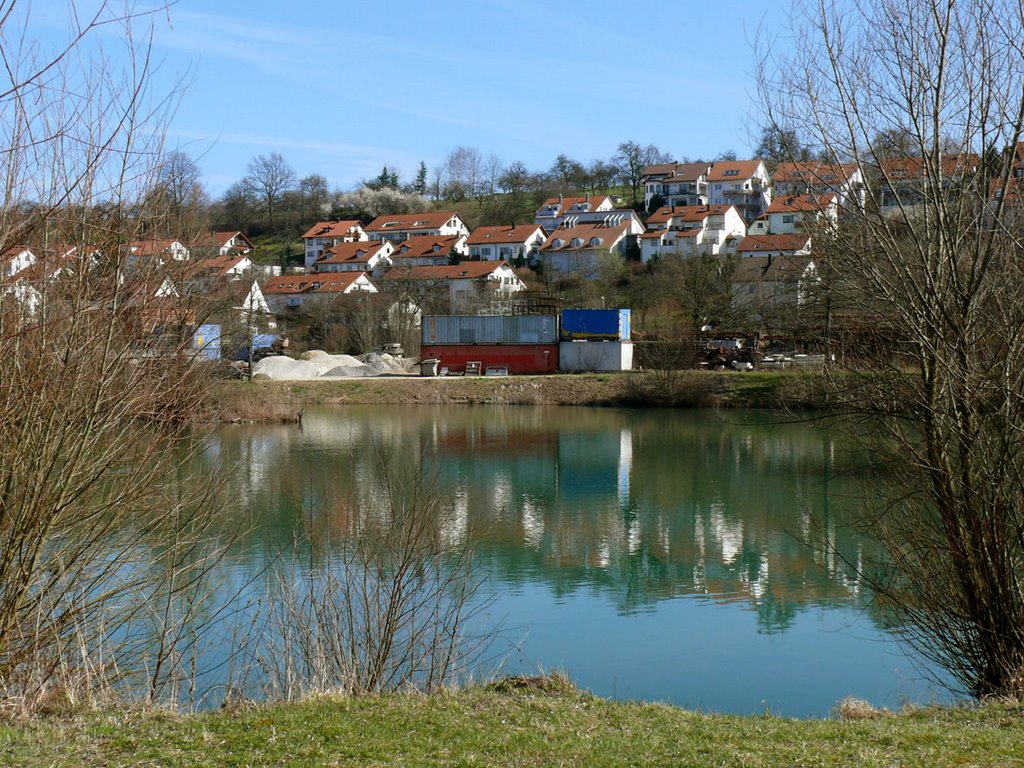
{"x": 317, "y": 364}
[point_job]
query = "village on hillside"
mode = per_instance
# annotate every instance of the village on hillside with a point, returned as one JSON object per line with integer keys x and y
{"x": 720, "y": 261}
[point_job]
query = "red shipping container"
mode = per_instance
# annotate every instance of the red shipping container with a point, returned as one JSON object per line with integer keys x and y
{"x": 518, "y": 358}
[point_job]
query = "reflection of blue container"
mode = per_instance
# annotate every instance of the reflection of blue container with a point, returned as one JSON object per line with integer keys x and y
{"x": 206, "y": 342}
{"x": 595, "y": 324}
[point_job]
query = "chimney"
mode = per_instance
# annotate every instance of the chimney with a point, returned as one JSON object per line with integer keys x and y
{"x": 561, "y": 199}
{"x": 588, "y": 197}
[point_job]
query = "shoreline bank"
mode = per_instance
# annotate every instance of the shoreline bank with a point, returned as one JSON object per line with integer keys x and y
{"x": 277, "y": 401}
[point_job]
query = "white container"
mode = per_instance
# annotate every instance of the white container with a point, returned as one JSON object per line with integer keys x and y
{"x": 580, "y": 356}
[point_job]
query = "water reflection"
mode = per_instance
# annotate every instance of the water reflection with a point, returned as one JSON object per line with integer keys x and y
{"x": 634, "y": 508}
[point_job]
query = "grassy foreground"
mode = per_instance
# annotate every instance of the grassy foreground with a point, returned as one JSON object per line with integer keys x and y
{"x": 512, "y": 727}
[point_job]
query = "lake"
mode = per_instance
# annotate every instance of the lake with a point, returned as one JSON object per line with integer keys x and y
{"x": 696, "y": 557}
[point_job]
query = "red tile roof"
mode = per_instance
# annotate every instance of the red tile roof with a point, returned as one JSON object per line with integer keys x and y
{"x": 688, "y": 213}
{"x": 722, "y": 170}
{"x": 221, "y": 265}
{"x": 331, "y": 229}
{"x": 351, "y": 253}
{"x": 326, "y": 282}
{"x": 774, "y": 243}
{"x": 801, "y": 204}
{"x": 814, "y": 173}
{"x": 220, "y": 239}
{"x": 914, "y": 167}
{"x": 487, "y": 235}
{"x": 410, "y": 221}
{"x": 418, "y": 247}
{"x": 566, "y": 204}
{"x": 608, "y": 236}
{"x": 677, "y": 172}
{"x": 468, "y": 270}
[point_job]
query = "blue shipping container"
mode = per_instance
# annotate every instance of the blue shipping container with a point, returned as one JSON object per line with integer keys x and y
{"x": 206, "y": 342}
{"x": 595, "y": 324}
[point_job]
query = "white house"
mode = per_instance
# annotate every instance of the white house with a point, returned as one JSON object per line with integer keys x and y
{"x": 692, "y": 229}
{"x": 360, "y": 256}
{"x": 399, "y": 227}
{"x": 326, "y": 234}
{"x": 223, "y": 243}
{"x": 676, "y": 184}
{"x": 761, "y": 283}
{"x": 743, "y": 183}
{"x": 578, "y": 250}
{"x": 905, "y": 179}
{"x": 845, "y": 181}
{"x": 505, "y": 243}
{"x": 294, "y": 291}
{"x": 429, "y": 251}
{"x": 798, "y": 214}
{"x": 553, "y": 212}
{"x": 16, "y": 259}
{"x": 159, "y": 251}
{"x": 468, "y": 284}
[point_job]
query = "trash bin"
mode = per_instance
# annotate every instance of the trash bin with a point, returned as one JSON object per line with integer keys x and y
{"x": 428, "y": 367}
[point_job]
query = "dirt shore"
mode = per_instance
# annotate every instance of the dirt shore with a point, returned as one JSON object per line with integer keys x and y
{"x": 232, "y": 401}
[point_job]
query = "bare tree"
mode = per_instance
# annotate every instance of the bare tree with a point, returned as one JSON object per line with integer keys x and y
{"x": 937, "y": 260}
{"x": 270, "y": 177}
{"x": 92, "y": 400}
{"x": 463, "y": 172}
{"x": 631, "y": 159}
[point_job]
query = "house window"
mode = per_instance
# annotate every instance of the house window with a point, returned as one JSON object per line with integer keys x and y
{"x": 485, "y": 251}
{"x": 576, "y": 242}
{"x": 595, "y": 242}
{"x": 788, "y": 218}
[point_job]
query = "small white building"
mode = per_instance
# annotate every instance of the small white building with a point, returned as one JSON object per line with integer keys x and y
{"x": 429, "y": 251}
{"x": 16, "y": 259}
{"x": 326, "y": 234}
{"x": 506, "y": 243}
{"x": 295, "y": 291}
{"x": 223, "y": 244}
{"x": 468, "y": 285}
{"x": 158, "y": 251}
{"x": 554, "y": 211}
{"x": 743, "y": 183}
{"x": 693, "y": 229}
{"x": 763, "y": 283}
{"x": 676, "y": 184}
{"x": 360, "y": 256}
{"x": 578, "y": 250}
{"x": 804, "y": 213}
{"x": 845, "y": 181}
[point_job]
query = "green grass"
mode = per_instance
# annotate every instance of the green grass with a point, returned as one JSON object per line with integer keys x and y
{"x": 530, "y": 727}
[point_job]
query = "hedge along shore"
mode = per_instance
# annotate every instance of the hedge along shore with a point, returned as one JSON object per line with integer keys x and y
{"x": 521, "y": 722}
{"x": 232, "y": 401}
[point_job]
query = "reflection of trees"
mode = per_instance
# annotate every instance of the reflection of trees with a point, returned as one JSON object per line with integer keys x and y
{"x": 643, "y": 506}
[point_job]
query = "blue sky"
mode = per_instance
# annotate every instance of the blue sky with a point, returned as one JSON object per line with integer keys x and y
{"x": 341, "y": 88}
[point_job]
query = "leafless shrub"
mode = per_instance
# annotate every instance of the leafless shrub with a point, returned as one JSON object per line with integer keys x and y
{"x": 389, "y": 607}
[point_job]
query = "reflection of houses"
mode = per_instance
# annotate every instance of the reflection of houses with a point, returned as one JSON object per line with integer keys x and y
{"x": 429, "y": 251}
{"x": 845, "y": 181}
{"x": 554, "y": 211}
{"x": 358, "y": 256}
{"x": 676, "y": 184}
{"x": 509, "y": 244}
{"x": 326, "y": 234}
{"x": 466, "y": 286}
{"x": 689, "y": 230}
{"x": 294, "y": 291}
{"x": 743, "y": 183}
{"x": 578, "y": 250}
{"x": 403, "y": 226}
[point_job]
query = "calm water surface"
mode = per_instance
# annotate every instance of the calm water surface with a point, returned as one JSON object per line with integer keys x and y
{"x": 665, "y": 555}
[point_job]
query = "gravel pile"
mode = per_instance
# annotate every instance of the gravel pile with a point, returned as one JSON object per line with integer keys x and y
{"x": 317, "y": 364}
